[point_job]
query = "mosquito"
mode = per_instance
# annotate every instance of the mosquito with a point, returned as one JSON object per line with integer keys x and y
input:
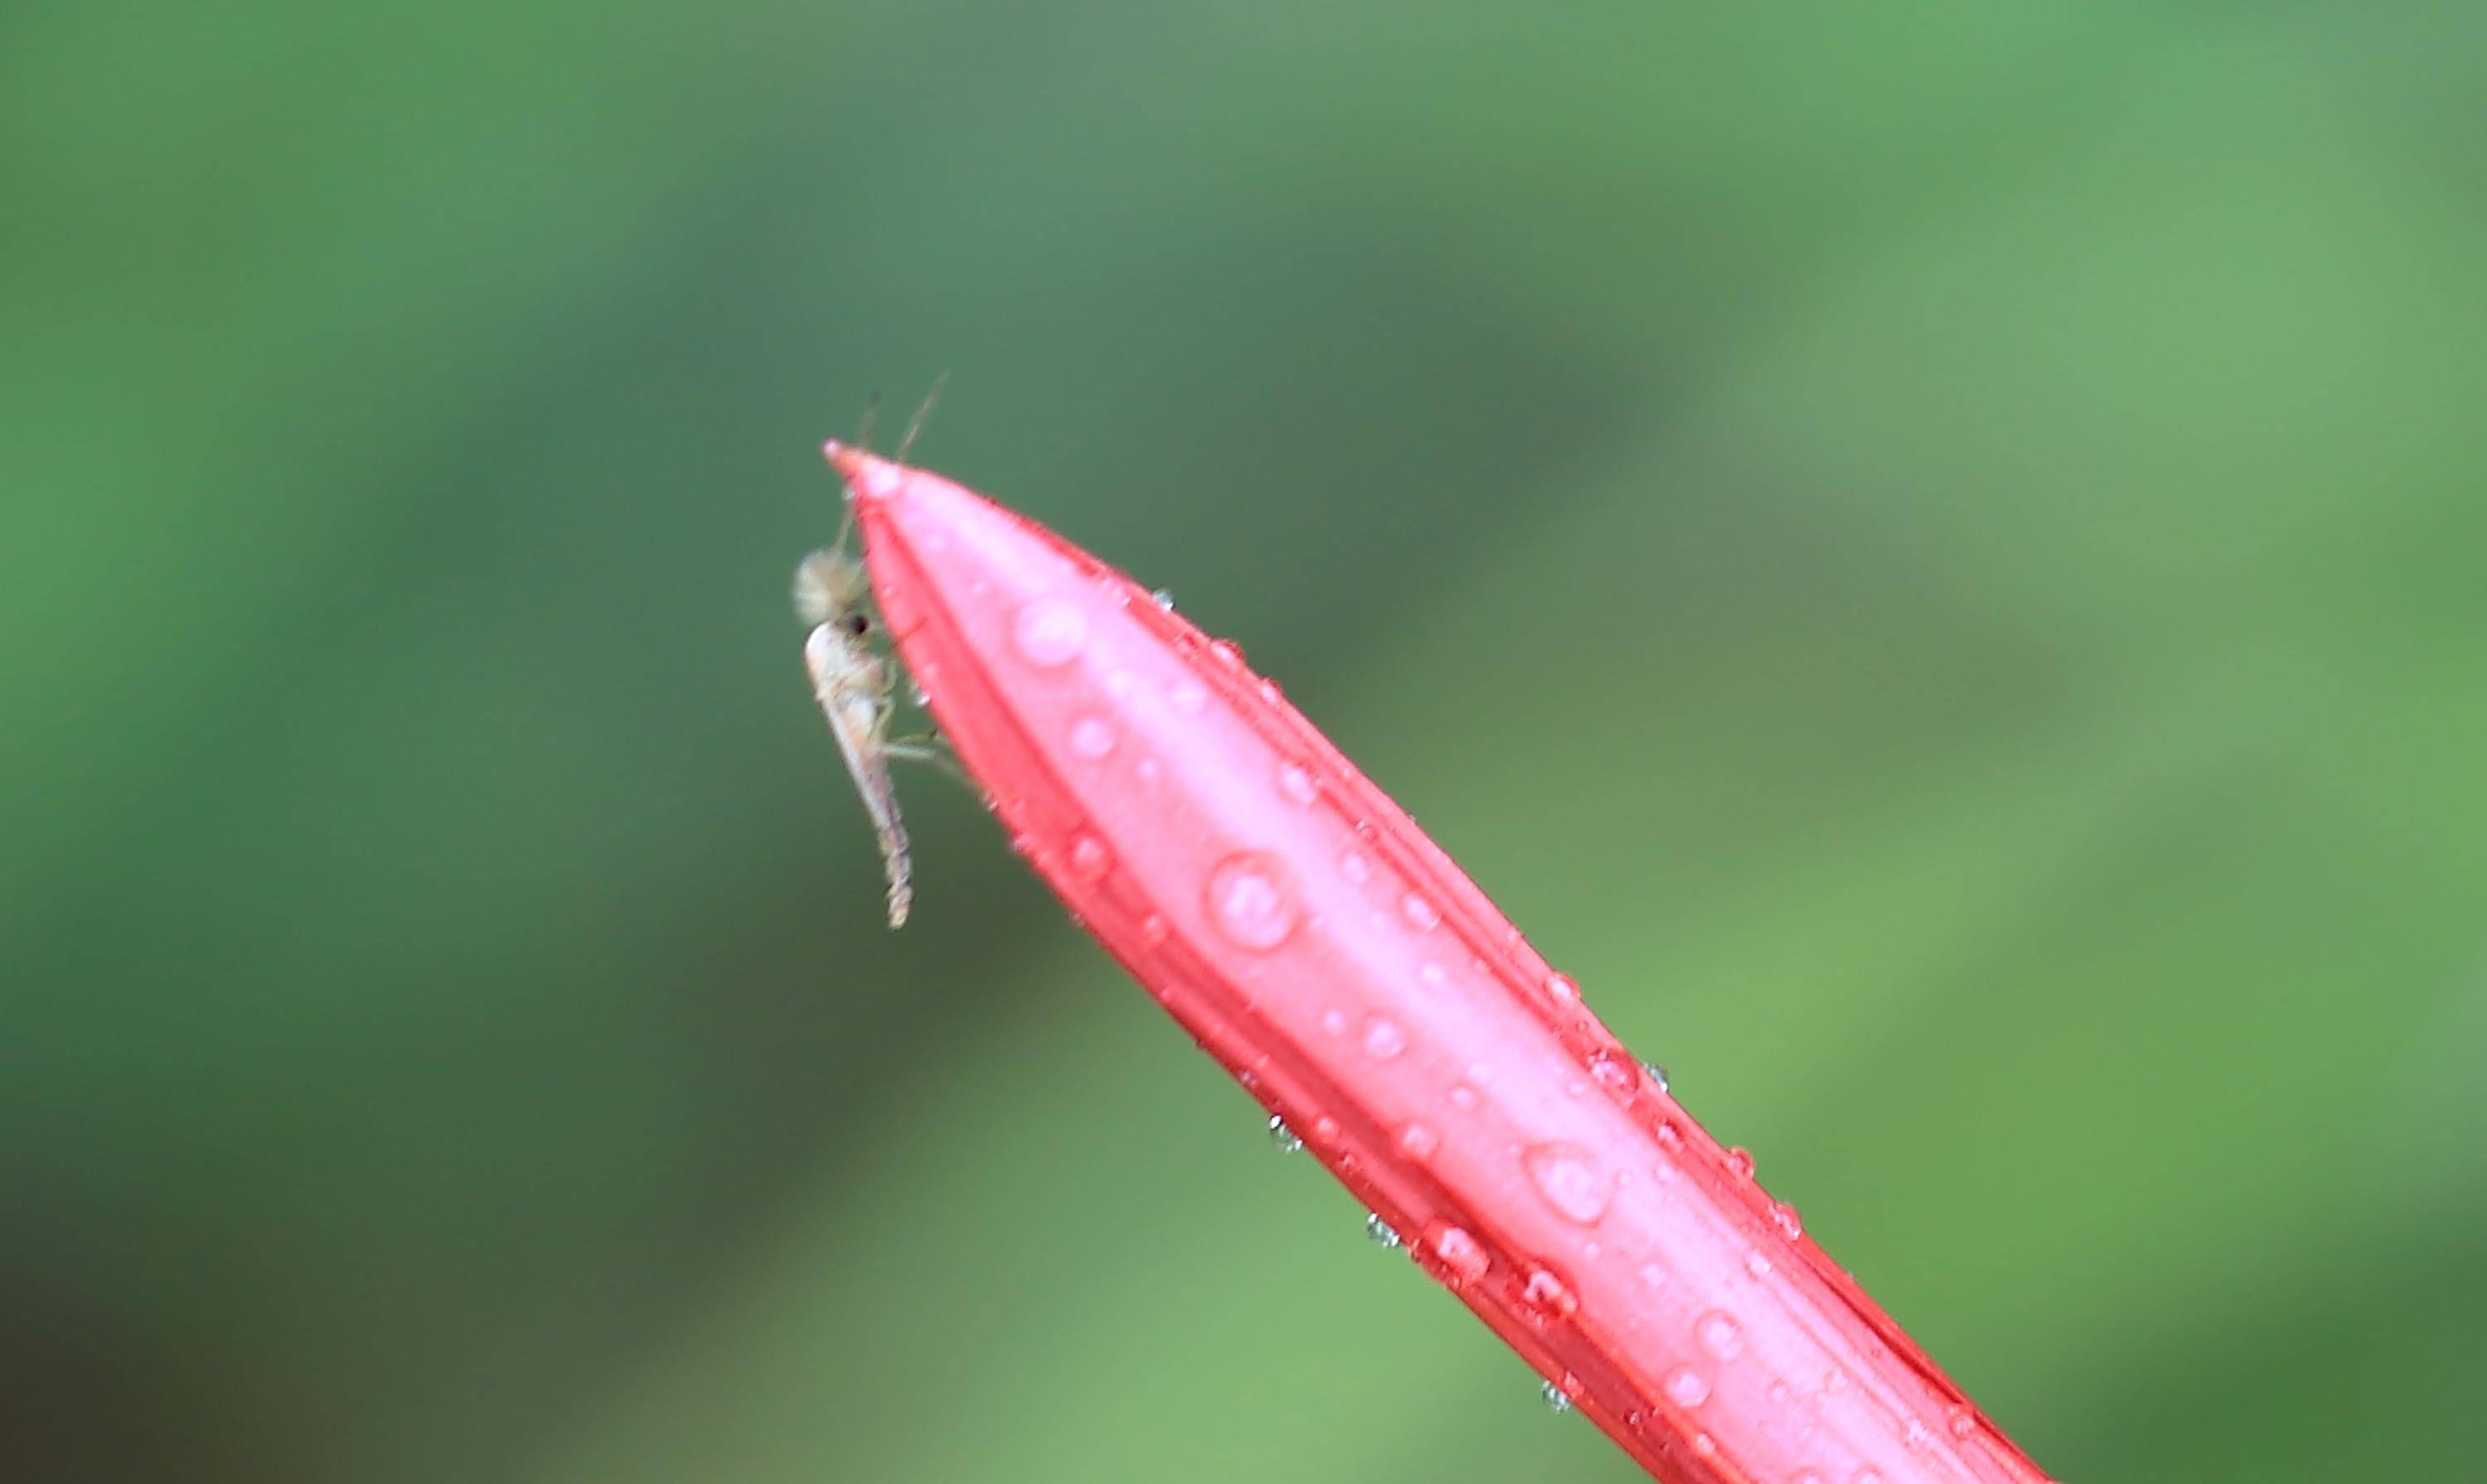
{"x": 856, "y": 687}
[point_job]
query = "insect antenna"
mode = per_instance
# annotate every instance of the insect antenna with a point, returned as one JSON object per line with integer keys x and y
{"x": 915, "y": 424}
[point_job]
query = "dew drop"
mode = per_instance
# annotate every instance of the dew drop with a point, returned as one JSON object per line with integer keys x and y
{"x": 1250, "y": 901}
{"x": 1916, "y": 1434}
{"x": 1383, "y": 1039}
{"x": 1555, "y": 1401}
{"x": 917, "y": 694}
{"x": 1227, "y": 652}
{"x": 1355, "y": 868}
{"x": 1187, "y": 696}
{"x": 1430, "y": 974}
{"x": 1962, "y": 1424}
{"x": 1296, "y": 784}
{"x": 1163, "y": 599}
{"x": 1614, "y": 1073}
{"x": 1685, "y": 1387}
{"x": 1758, "y": 1263}
{"x": 1335, "y": 1021}
{"x": 1654, "y": 1275}
{"x": 1419, "y": 1140}
{"x": 1049, "y": 632}
{"x": 1381, "y": 1233}
{"x": 1778, "y": 1393}
{"x": 1092, "y": 737}
{"x": 1783, "y": 1216}
{"x": 1419, "y": 913}
{"x": 1270, "y": 691}
{"x": 1548, "y": 1294}
{"x": 1570, "y": 1179}
{"x": 1739, "y": 1163}
{"x": 1562, "y": 987}
{"x": 1719, "y": 1334}
{"x": 1704, "y": 1445}
{"x": 1324, "y": 1131}
{"x": 1281, "y": 1138}
{"x": 1464, "y": 1098}
{"x": 1669, "y": 1135}
{"x": 1656, "y": 1074}
{"x": 1090, "y": 860}
{"x": 1461, "y": 1257}
{"x": 1152, "y": 929}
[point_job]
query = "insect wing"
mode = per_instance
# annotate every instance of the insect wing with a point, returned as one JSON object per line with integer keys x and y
{"x": 843, "y": 681}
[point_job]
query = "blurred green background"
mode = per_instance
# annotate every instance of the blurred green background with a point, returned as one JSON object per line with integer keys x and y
{"x": 1932, "y": 555}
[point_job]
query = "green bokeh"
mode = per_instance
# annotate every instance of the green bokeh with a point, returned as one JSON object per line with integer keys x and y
{"x": 1935, "y": 556}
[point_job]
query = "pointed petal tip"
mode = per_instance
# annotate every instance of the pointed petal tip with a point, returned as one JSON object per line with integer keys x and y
{"x": 868, "y": 475}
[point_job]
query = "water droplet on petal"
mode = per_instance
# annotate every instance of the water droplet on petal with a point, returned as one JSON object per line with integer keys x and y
{"x": 1419, "y": 913}
{"x": 1049, "y": 632}
{"x": 1704, "y": 1445}
{"x": 1562, "y": 987}
{"x": 1570, "y": 1179}
{"x": 1685, "y": 1387}
{"x": 1719, "y": 1334}
{"x": 1419, "y": 1140}
{"x": 1916, "y": 1434}
{"x": 1090, "y": 860}
{"x": 1962, "y": 1424}
{"x": 1464, "y": 1098}
{"x": 1380, "y": 1232}
{"x": 1163, "y": 599}
{"x": 917, "y": 694}
{"x": 1555, "y": 1401}
{"x": 1187, "y": 696}
{"x": 1548, "y": 1294}
{"x": 1614, "y": 1073}
{"x": 1654, "y": 1275}
{"x": 1250, "y": 901}
{"x": 1430, "y": 975}
{"x": 1461, "y": 1257}
{"x": 1092, "y": 737}
{"x": 1152, "y": 929}
{"x": 1227, "y": 652}
{"x": 1296, "y": 784}
{"x": 1383, "y": 1039}
{"x": 1656, "y": 1074}
{"x": 1758, "y": 1263}
{"x": 1783, "y": 1216}
{"x": 1739, "y": 1163}
{"x": 1355, "y": 868}
{"x": 1335, "y": 1021}
{"x": 1281, "y": 1138}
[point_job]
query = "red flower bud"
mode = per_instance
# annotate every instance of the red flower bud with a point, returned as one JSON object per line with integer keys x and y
{"x": 1330, "y": 955}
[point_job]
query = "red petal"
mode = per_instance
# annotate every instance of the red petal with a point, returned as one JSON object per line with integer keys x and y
{"x": 1310, "y": 937}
